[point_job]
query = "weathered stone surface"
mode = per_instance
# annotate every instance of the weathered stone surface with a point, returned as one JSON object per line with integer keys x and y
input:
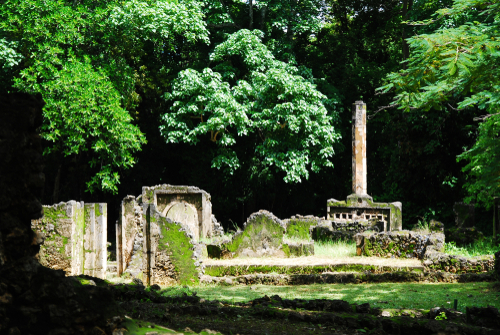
{"x": 186, "y": 204}
{"x": 299, "y": 249}
{"x": 262, "y": 236}
{"x": 130, "y": 238}
{"x": 219, "y": 251}
{"x": 385, "y": 216}
{"x": 169, "y": 255}
{"x": 350, "y": 278}
{"x": 75, "y": 237}
{"x": 402, "y": 244}
{"x": 217, "y": 229}
{"x": 299, "y": 226}
{"x": 359, "y": 166}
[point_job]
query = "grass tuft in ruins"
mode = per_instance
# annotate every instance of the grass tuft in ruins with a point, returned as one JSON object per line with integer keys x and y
{"x": 485, "y": 246}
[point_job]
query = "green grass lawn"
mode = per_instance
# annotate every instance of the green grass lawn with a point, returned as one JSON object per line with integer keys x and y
{"x": 385, "y": 295}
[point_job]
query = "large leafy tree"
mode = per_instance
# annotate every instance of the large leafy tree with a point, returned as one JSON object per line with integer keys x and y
{"x": 250, "y": 94}
{"x": 457, "y": 67}
{"x": 86, "y": 59}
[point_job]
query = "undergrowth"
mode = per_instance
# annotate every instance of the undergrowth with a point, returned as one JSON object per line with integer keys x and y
{"x": 485, "y": 246}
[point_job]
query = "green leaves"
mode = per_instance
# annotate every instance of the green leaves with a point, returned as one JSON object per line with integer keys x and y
{"x": 86, "y": 59}
{"x": 460, "y": 64}
{"x": 83, "y": 113}
{"x": 264, "y": 99}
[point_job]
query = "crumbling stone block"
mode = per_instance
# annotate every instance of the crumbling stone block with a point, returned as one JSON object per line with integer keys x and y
{"x": 401, "y": 244}
{"x": 300, "y": 249}
{"x": 129, "y": 237}
{"x": 262, "y": 236}
{"x": 362, "y": 209}
{"x": 75, "y": 237}
{"x": 186, "y": 204}
{"x": 299, "y": 226}
{"x": 169, "y": 255}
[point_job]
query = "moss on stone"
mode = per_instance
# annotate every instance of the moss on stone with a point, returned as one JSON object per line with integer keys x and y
{"x": 179, "y": 247}
{"x": 260, "y": 228}
{"x": 298, "y": 228}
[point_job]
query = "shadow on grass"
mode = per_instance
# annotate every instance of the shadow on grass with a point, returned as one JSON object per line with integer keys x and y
{"x": 384, "y": 295}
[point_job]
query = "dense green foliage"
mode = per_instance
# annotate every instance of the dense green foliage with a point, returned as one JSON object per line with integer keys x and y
{"x": 84, "y": 57}
{"x": 251, "y": 100}
{"x": 263, "y": 98}
{"x": 458, "y": 64}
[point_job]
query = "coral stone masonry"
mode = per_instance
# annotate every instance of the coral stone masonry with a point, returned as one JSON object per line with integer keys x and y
{"x": 359, "y": 206}
{"x": 74, "y": 238}
{"x": 187, "y": 204}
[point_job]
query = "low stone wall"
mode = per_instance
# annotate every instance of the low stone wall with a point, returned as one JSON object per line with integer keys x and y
{"x": 348, "y": 278}
{"x": 401, "y": 244}
{"x": 437, "y": 261}
{"x": 427, "y": 247}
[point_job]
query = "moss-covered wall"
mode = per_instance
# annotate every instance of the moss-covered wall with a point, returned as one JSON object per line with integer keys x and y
{"x": 262, "y": 236}
{"x": 55, "y": 225}
{"x": 299, "y": 227}
{"x": 169, "y": 252}
{"x": 71, "y": 240}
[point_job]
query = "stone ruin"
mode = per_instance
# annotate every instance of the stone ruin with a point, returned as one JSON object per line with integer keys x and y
{"x": 169, "y": 255}
{"x": 262, "y": 236}
{"x": 359, "y": 206}
{"x": 74, "y": 238}
{"x": 185, "y": 207}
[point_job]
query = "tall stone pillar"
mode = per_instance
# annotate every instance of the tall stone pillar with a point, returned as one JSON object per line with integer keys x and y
{"x": 359, "y": 148}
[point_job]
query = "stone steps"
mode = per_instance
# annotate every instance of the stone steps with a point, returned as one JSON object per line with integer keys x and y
{"x": 217, "y": 270}
{"x": 347, "y": 278}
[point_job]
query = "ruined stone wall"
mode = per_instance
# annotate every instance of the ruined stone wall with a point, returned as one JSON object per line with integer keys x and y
{"x": 387, "y": 216}
{"x": 438, "y": 261}
{"x": 75, "y": 237}
{"x": 187, "y": 204}
{"x": 402, "y": 244}
{"x": 169, "y": 255}
{"x": 299, "y": 226}
{"x": 129, "y": 238}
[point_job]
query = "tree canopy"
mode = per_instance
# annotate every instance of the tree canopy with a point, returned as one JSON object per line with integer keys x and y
{"x": 458, "y": 65}
{"x": 248, "y": 99}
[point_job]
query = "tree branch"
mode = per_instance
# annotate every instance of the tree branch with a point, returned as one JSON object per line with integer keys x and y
{"x": 484, "y": 117}
{"x": 371, "y": 116}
